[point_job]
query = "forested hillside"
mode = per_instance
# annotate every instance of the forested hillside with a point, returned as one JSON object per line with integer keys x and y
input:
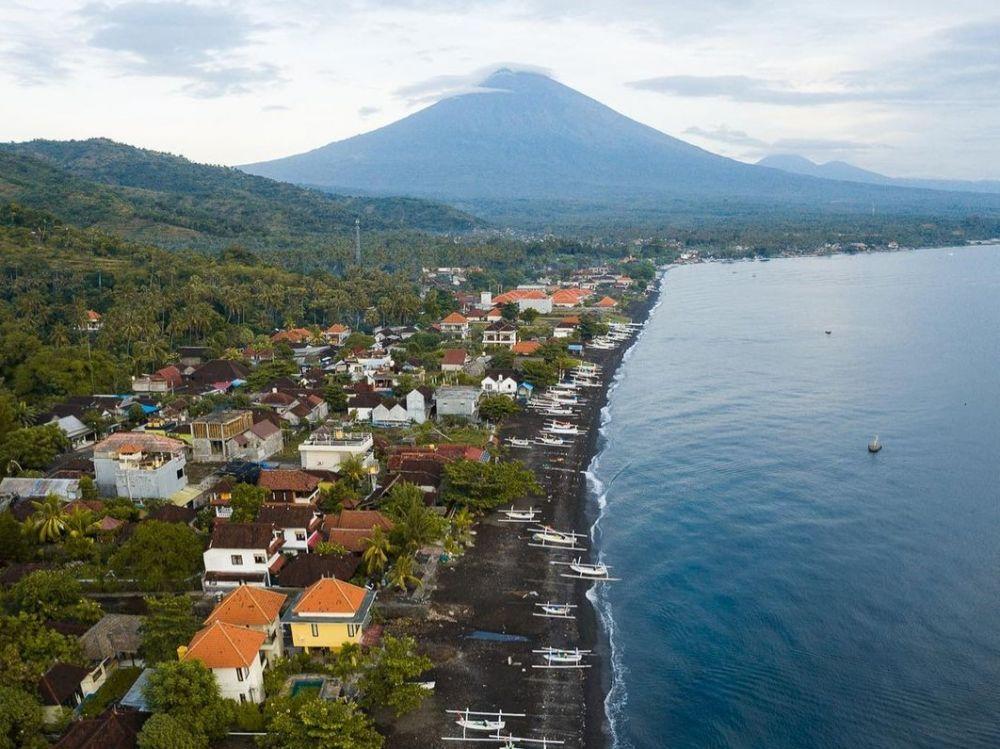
{"x": 171, "y": 201}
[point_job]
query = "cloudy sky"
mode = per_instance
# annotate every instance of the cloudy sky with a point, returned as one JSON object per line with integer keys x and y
{"x": 906, "y": 87}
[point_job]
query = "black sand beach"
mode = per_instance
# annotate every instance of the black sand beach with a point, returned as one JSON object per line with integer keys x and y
{"x": 494, "y": 587}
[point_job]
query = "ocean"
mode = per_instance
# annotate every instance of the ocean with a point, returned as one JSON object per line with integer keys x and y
{"x": 781, "y": 586}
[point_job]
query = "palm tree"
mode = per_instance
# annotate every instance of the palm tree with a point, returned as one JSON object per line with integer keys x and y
{"x": 49, "y": 519}
{"x": 376, "y": 553}
{"x": 81, "y": 523}
{"x": 353, "y": 471}
{"x": 461, "y": 526}
{"x": 24, "y": 413}
{"x": 401, "y": 575}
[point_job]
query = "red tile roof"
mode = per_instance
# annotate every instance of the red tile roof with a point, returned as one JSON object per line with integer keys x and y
{"x": 455, "y": 319}
{"x": 288, "y": 479}
{"x": 329, "y": 595}
{"x": 454, "y": 356}
{"x": 248, "y": 606}
{"x": 225, "y": 646}
{"x": 526, "y": 348}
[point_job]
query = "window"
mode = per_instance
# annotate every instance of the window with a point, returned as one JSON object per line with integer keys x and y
{"x": 243, "y": 697}
{"x": 352, "y": 629}
{"x": 236, "y": 560}
{"x": 300, "y": 535}
{"x": 315, "y": 630}
{"x": 259, "y": 559}
{"x": 180, "y": 473}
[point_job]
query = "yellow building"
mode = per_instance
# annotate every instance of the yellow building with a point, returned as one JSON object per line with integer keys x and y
{"x": 329, "y": 614}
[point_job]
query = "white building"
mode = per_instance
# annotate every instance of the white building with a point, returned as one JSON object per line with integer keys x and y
{"x": 258, "y": 609}
{"x": 298, "y": 524}
{"x": 390, "y": 413}
{"x": 234, "y": 656}
{"x": 242, "y": 554}
{"x": 417, "y": 406}
{"x": 139, "y": 465}
{"x": 326, "y": 449}
{"x": 501, "y": 333}
{"x": 499, "y": 383}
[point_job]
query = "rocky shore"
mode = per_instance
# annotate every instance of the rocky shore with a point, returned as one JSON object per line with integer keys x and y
{"x": 480, "y": 626}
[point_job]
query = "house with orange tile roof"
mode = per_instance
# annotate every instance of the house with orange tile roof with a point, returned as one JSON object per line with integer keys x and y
{"x": 606, "y": 303}
{"x": 233, "y": 654}
{"x": 289, "y": 485}
{"x": 352, "y": 528}
{"x": 455, "y": 324}
{"x": 329, "y": 614}
{"x": 258, "y": 609}
{"x": 337, "y": 334}
{"x": 535, "y": 299}
{"x": 526, "y": 348}
{"x": 569, "y": 297}
{"x": 292, "y": 335}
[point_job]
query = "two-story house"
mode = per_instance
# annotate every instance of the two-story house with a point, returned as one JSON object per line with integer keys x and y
{"x": 289, "y": 485}
{"x": 329, "y": 614}
{"x": 501, "y": 333}
{"x": 140, "y": 465}
{"x": 242, "y": 554}
{"x": 326, "y": 448}
{"x": 234, "y": 656}
{"x": 456, "y": 324}
{"x": 299, "y": 524}
{"x": 258, "y": 609}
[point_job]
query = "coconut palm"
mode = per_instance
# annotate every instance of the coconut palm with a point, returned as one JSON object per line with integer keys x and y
{"x": 401, "y": 574}
{"x": 353, "y": 471}
{"x": 49, "y": 519}
{"x": 461, "y": 526}
{"x": 81, "y": 523}
{"x": 376, "y": 554}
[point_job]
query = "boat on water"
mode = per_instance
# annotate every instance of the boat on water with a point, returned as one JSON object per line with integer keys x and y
{"x": 874, "y": 446}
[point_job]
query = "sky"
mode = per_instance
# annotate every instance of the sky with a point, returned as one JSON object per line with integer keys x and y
{"x": 908, "y": 88}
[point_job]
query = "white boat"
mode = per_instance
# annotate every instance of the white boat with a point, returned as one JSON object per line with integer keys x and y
{"x": 551, "y": 441}
{"x": 520, "y": 515}
{"x": 484, "y": 724}
{"x": 518, "y": 442}
{"x": 552, "y": 536}
{"x": 590, "y": 570}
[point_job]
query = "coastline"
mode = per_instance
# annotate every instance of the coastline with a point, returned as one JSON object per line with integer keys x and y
{"x": 493, "y": 589}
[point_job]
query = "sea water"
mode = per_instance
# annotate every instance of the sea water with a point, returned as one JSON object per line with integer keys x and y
{"x": 781, "y": 586}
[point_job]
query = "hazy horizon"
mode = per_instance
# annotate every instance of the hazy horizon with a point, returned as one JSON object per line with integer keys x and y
{"x": 906, "y": 89}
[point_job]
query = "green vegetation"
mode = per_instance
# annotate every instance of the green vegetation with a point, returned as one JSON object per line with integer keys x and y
{"x": 20, "y": 719}
{"x": 484, "y": 486}
{"x": 170, "y": 622}
{"x": 246, "y": 502}
{"x": 159, "y": 556}
{"x": 188, "y": 692}
{"x": 114, "y": 688}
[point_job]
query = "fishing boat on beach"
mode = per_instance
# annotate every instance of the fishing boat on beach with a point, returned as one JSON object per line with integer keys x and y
{"x": 580, "y": 570}
{"x": 547, "y": 537}
{"x": 519, "y": 516}
{"x": 555, "y": 610}
{"x": 549, "y": 441}
{"x": 561, "y": 658}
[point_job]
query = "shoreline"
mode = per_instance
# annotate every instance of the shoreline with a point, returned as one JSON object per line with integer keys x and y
{"x": 493, "y": 589}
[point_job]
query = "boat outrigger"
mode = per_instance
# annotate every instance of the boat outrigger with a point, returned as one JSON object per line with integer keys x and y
{"x": 519, "y": 516}
{"x": 555, "y": 610}
{"x": 580, "y": 570}
{"x": 548, "y": 441}
{"x": 562, "y": 658}
{"x": 547, "y": 537}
